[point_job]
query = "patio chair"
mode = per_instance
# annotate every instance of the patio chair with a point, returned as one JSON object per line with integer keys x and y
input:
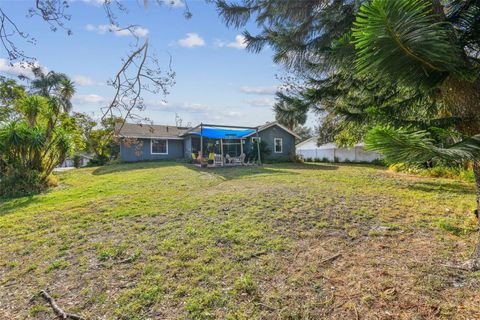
{"x": 218, "y": 160}
{"x": 228, "y": 159}
{"x": 241, "y": 159}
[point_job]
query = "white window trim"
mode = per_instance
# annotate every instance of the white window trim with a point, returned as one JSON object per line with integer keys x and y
{"x": 151, "y": 146}
{"x": 275, "y": 145}
{"x": 259, "y": 139}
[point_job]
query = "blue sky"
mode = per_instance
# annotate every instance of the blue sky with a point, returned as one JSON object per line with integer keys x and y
{"x": 217, "y": 80}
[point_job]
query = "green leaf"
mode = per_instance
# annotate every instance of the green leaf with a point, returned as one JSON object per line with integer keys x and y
{"x": 402, "y": 40}
{"x": 400, "y": 145}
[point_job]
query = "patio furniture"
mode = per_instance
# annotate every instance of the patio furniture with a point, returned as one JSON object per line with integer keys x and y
{"x": 219, "y": 137}
{"x": 218, "y": 160}
{"x": 242, "y": 158}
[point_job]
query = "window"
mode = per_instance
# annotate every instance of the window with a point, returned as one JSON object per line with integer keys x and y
{"x": 159, "y": 146}
{"x": 254, "y": 139}
{"x": 278, "y": 142}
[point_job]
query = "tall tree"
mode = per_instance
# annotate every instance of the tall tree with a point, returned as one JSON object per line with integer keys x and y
{"x": 435, "y": 48}
{"x": 409, "y": 68}
{"x": 33, "y": 141}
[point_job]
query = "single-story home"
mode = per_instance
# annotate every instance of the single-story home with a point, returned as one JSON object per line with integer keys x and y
{"x": 309, "y": 149}
{"x": 140, "y": 142}
{"x": 83, "y": 160}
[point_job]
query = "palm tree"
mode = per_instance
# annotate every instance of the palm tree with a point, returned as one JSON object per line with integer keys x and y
{"x": 290, "y": 111}
{"x": 434, "y": 47}
{"x": 55, "y": 86}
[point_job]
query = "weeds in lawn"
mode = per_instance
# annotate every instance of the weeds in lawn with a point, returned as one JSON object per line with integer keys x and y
{"x": 284, "y": 241}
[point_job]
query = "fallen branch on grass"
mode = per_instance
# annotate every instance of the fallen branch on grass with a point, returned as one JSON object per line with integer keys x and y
{"x": 338, "y": 255}
{"x": 253, "y": 255}
{"x": 58, "y": 311}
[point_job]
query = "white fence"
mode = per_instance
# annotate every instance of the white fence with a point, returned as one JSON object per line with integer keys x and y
{"x": 332, "y": 153}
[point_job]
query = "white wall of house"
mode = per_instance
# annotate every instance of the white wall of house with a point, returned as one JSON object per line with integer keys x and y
{"x": 309, "y": 149}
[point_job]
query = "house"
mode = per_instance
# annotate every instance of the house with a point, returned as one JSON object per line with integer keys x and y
{"x": 309, "y": 149}
{"x": 162, "y": 142}
{"x": 83, "y": 160}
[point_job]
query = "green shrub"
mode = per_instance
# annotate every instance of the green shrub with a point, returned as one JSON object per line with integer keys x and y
{"x": 292, "y": 157}
{"x": 76, "y": 160}
{"x": 458, "y": 172}
{"x": 98, "y": 161}
{"x": 21, "y": 182}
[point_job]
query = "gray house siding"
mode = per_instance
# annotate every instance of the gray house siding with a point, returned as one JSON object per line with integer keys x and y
{"x": 142, "y": 151}
{"x": 268, "y": 136}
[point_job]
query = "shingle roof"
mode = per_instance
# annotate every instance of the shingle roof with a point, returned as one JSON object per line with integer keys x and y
{"x": 275, "y": 123}
{"x": 133, "y": 130}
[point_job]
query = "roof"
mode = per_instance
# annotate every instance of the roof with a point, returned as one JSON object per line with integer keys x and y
{"x": 312, "y": 139}
{"x": 134, "y": 130}
{"x": 223, "y": 133}
{"x": 275, "y": 123}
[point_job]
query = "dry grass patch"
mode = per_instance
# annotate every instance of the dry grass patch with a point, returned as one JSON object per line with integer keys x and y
{"x": 286, "y": 241}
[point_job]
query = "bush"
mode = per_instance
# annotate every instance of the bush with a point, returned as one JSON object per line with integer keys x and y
{"x": 98, "y": 161}
{"x": 292, "y": 157}
{"x": 458, "y": 172}
{"x": 21, "y": 182}
{"x": 325, "y": 159}
{"x": 76, "y": 160}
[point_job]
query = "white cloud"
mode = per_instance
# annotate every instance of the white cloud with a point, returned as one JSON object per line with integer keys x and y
{"x": 120, "y": 32}
{"x": 19, "y": 68}
{"x": 261, "y": 102}
{"x": 259, "y": 89}
{"x": 201, "y": 111}
{"x": 239, "y": 43}
{"x": 83, "y": 81}
{"x": 175, "y": 107}
{"x": 94, "y": 2}
{"x": 192, "y": 40}
{"x": 88, "y": 98}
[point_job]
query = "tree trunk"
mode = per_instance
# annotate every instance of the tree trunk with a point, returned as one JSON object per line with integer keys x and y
{"x": 476, "y": 254}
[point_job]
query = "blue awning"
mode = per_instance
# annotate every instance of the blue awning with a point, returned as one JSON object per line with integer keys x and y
{"x": 218, "y": 133}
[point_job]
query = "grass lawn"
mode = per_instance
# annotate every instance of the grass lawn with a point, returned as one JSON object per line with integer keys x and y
{"x": 285, "y": 241}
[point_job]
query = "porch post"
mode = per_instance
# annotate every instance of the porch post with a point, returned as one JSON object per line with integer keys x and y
{"x": 258, "y": 146}
{"x": 221, "y": 149}
{"x": 201, "y": 139}
{"x": 241, "y": 146}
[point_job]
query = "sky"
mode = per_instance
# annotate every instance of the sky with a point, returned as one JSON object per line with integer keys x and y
{"x": 216, "y": 80}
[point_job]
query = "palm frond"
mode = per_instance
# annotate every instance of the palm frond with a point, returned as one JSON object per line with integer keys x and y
{"x": 402, "y": 145}
{"x": 402, "y": 40}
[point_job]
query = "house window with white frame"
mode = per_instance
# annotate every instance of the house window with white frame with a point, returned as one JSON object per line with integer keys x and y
{"x": 159, "y": 146}
{"x": 254, "y": 139}
{"x": 278, "y": 145}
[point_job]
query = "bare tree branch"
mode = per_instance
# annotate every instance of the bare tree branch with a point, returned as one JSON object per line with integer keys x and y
{"x": 139, "y": 73}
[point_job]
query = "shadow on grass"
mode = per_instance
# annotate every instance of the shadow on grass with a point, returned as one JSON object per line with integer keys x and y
{"x": 441, "y": 186}
{"x": 227, "y": 172}
{"x": 11, "y": 204}
{"x": 131, "y": 166}
{"x": 231, "y": 173}
{"x": 303, "y": 166}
